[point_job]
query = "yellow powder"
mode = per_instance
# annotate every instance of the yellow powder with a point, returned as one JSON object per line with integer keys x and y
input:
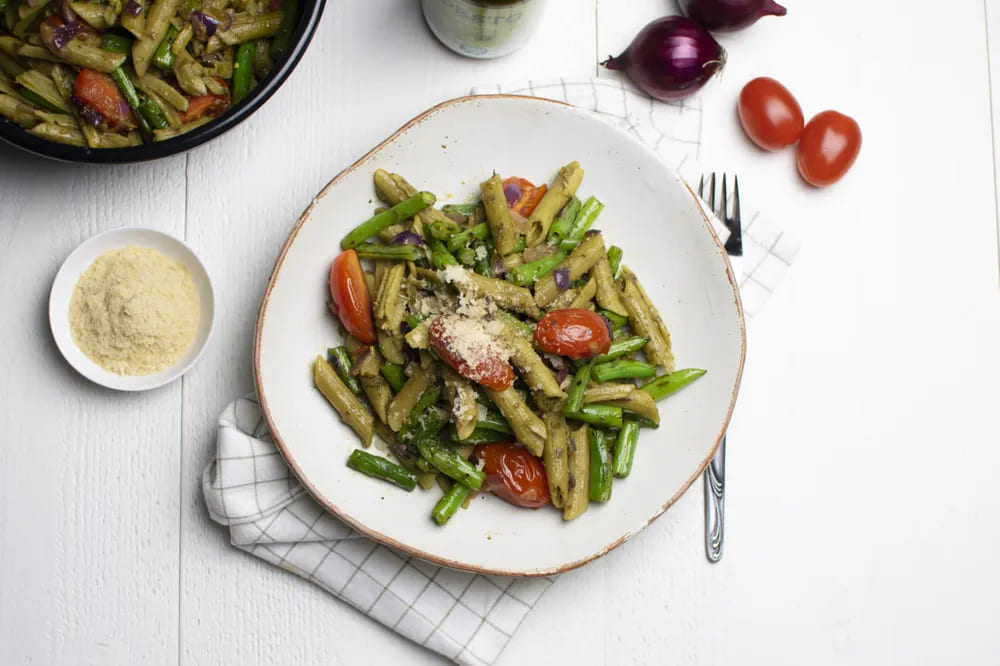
{"x": 134, "y": 311}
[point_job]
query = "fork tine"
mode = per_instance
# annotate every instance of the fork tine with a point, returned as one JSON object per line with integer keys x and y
{"x": 724, "y": 213}
{"x": 711, "y": 194}
{"x": 701, "y": 186}
{"x": 734, "y": 245}
{"x": 737, "y": 224}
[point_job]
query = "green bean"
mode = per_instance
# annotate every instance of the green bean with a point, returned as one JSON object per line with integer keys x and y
{"x": 623, "y": 369}
{"x": 463, "y": 238}
{"x": 390, "y": 252}
{"x": 484, "y": 266}
{"x": 466, "y": 209}
{"x": 644, "y": 422}
{"x": 607, "y": 416}
{"x": 448, "y": 505}
{"x": 163, "y": 57}
{"x": 527, "y": 274}
{"x": 615, "y": 254}
{"x": 440, "y": 256}
{"x": 415, "y": 422}
{"x": 524, "y": 329}
{"x": 450, "y": 463}
{"x": 394, "y": 375}
{"x": 480, "y": 436}
{"x": 519, "y": 245}
{"x": 565, "y": 220}
{"x": 423, "y": 465}
{"x": 490, "y": 418}
{"x": 600, "y": 466}
{"x": 153, "y": 114}
{"x": 628, "y": 437}
{"x": 574, "y": 397}
{"x": 568, "y": 246}
{"x": 131, "y": 97}
{"x": 585, "y": 220}
{"x": 663, "y": 386}
{"x": 243, "y": 71}
{"x": 412, "y": 321}
{"x": 283, "y": 38}
{"x": 621, "y": 348}
{"x": 116, "y": 43}
{"x": 398, "y": 213}
{"x": 617, "y": 320}
{"x": 444, "y": 229}
{"x": 380, "y": 468}
{"x": 341, "y": 361}
{"x": 38, "y": 100}
{"x": 466, "y": 256}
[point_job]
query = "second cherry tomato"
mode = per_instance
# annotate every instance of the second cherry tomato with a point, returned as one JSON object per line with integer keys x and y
{"x": 828, "y": 147}
{"x": 770, "y": 115}
{"x": 514, "y": 475}
{"x": 465, "y": 345}
{"x": 573, "y": 332}
{"x": 349, "y": 296}
{"x": 522, "y": 195}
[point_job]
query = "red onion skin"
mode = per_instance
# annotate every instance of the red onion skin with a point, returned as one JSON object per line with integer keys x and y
{"x": 730, "y": 15}
{"x": 671, "y": 58}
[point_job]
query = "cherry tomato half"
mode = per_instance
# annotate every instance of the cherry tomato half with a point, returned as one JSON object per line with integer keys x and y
{"x": 522, "y": 195}
{"x": 514, "y": 475}
{"x": 349, "y": 296}
{"x": 470, "y": 352}
{"x": 573, "y": 332}
{"x": 770, "y": 115}
{"x": 99, "y": 93}
{"x": 828, "y": 147}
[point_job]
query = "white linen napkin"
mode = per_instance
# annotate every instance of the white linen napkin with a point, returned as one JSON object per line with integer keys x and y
{"x": 467, "y": 618}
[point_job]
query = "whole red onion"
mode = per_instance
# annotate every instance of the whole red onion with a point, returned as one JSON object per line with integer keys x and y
{"x": 726, "y": 15}
{"x": 671, "y": 58}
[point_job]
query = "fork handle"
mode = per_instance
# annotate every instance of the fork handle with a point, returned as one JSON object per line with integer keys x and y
{"x": 715, "y": 503}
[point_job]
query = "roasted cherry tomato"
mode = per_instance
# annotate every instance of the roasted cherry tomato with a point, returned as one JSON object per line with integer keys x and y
{"x": 205, "y": 105}
{"x": 573, "y": 332}
{"x": 770, "y": 115}
{"x": 99, "y": 94}
{"x": 514, "y": 475}
{"x": 522, "y": 195}
{"x": 467, "y": 347}
{"x": 828, "y": 147}
{"x": 349, "y": 296}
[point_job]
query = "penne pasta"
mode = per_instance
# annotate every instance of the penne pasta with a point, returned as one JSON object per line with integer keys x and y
{"x": 578, "y": 482}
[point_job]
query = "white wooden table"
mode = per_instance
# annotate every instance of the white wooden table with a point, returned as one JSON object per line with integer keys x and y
{"x": 864, "y": 462}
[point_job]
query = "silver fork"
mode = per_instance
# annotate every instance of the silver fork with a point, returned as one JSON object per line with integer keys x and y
{"x": 715, "y": 473}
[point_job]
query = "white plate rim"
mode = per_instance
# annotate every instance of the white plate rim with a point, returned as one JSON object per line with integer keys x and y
{"x": 59, "y": 320}
{"x": 359, "y": 526}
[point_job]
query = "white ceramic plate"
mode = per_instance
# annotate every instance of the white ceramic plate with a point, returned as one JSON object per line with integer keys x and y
{"x": 667, "y": 241}
{"x": 80, "y": 260}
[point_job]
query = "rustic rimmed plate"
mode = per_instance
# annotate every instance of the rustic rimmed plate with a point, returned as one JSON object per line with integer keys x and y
{"x": 667, "y": 241}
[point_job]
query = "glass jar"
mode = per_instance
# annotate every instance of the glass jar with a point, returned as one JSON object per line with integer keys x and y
{"x": 482, "y": 28}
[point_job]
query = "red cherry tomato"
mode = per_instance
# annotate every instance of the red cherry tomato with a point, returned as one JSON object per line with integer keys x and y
{"x": 476, "y": 361}
{"x": 514, "y": 475}
{"x": 770, "y": 115}
{"x": 522, "y": 195}
{"x": 99, "y": 93}
{"x": 828, "y": 147}
{"x": 573, "y": 332}
{"x": 349, "y": 296}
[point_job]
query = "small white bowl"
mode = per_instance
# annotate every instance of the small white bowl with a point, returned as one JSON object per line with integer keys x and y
{"x": 77, "y": 263}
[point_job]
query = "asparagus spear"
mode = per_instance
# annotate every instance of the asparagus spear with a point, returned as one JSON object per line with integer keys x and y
{"x": 131, "y": 97}
{"x": 401, "y": 211}
{"x": 153, "y": 114}
{"x": 621, "y": 348}
{"x": 380, "y": 468}
{"x": 663, "y": 386}
{"x": 394, "y": 375}
{"x": 628, "y": 437}
{"x": 623, "y": 369}
{"x": 617, "y": 320}
{"x": 448, "y": 505}
{"x": 391, "y": 252}
{"x": 290, "y": 18}
{"x": 463, "y": 238}
{"x": 163, "y": 57}
{"x": 450, "y": 463}
{"x": 600, "y": 466}
{"x": 243, "y": 71}
{"x": 615, "y": 255}
{"x": 341, "y": 361}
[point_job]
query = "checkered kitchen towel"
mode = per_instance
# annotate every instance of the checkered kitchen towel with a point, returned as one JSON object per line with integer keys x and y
{"x": 465, "y": 617}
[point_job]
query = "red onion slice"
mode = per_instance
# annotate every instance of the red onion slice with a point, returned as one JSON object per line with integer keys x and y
{"x": 204, "y": 25}
{"x": 562, "y": 278}
{"x": 407, "y": 238}
{"x": 512, "y": 191}
{"x": 132, "y": 8}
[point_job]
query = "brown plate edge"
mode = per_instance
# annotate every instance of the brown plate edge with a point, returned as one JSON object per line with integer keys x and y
{"x": 381, "y": 538}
